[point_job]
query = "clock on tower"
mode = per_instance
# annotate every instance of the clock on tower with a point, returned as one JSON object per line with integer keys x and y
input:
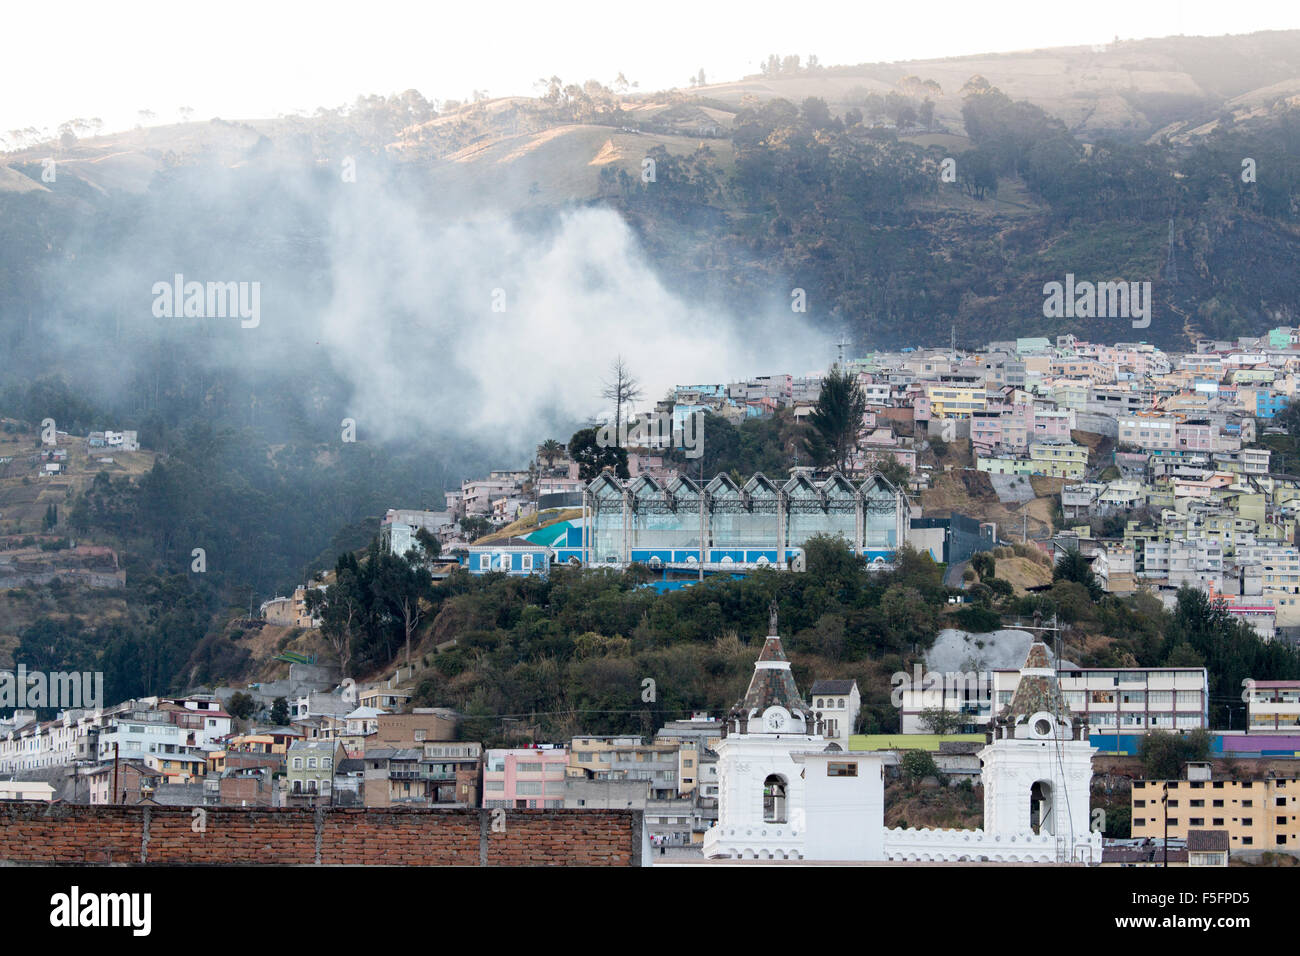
{"x": 776, "y": 719}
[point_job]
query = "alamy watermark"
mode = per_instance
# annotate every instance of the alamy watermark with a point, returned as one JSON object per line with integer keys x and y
{"x": 1098, "y": 300}
{"x": 656, "y": 431}
{"x": 210, "y": 300}
{"x": 62, "y": 690}
{"x": 964, "y": 685}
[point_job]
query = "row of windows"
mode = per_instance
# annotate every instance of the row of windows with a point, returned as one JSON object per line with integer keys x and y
{"x": 485, "y": 562}
{"x": 325, "y": 764}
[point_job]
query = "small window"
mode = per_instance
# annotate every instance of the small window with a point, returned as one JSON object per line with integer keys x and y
{"x": 844, "y": 769}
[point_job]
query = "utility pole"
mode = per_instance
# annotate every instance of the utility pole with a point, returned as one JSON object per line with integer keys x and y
{"x": 1164, "y": 802}
{"x": 701, "y": 520}
{"x": 115, "y": 773}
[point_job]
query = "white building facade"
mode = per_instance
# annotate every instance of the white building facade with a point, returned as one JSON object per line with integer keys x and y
{"x": 788, "y": 793}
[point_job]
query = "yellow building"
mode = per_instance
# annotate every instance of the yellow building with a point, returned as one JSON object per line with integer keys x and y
{"x": 1059, "y": 459}
{"x": 955, "y": 401}
{"x": 1004, "y": 465}
{"x": 177, "y": 768}
{"x": 264, "y": 742}
{"x": 1258, "y": 814}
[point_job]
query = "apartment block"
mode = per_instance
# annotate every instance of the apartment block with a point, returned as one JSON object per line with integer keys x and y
{"x": 1258, "y": 814}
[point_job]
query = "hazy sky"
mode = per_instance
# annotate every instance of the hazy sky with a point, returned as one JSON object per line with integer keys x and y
{"x": 239, "y": 59}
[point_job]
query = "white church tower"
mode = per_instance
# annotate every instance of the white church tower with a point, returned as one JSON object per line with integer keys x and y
{"x": 1038, "y": 766}
{"x": 785, "y": 790}
{"x": 760, "y": 787}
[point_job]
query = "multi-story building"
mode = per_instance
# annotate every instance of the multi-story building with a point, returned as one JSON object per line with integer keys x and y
{"x": 1059, "y": 459}
{"x": 955, "y": 401}
{"x": 837, "y": 703}
{"x": 1272, "y": 706}
{"x": 1258, "y": 814}
{"x": 1108, "y": 700}
{"x": 413, "y": 729}
{"x": 629, "y": 758}
{"x": 1150, "y": 432}
{"x": 1132, "y": 700}
{"x": 309, "y": 769}
{"x": 397, "y": 530}
{"x": 137, "y": 733}
{"x": 443, "y": 774}
{"x": 527, "y": 778}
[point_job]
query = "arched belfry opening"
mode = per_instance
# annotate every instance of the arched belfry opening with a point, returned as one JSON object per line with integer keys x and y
{"x": 1041, "y": 815}
{"x": 774, "y": 806}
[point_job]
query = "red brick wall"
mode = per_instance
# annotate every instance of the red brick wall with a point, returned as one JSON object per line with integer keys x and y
{"x": 67, "y": 833}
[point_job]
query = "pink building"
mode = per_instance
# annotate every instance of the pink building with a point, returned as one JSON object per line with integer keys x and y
{"x": 1053, "y": 424}
{"x": 1196, "y": 436}
{"x": 525, "y": 778}
{"x": 921, "y": 408}
{"x": 986, "y": 430}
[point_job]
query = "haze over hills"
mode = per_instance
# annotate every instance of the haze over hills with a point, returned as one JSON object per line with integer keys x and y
{"x": 531, "y": 158}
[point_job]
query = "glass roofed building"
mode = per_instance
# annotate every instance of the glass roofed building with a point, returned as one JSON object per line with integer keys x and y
{"x": 729, "y": 527}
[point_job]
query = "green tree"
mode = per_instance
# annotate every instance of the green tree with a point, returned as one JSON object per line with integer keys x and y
{"x": 895, "y": 472}
{"x": 938, "y": 720}
{"x": 475, "y": 526}
{"x": 975, "y": 172}
{"x": 430, "y": 547}
{"x": 550, "y": 450}
{"x": 403, "y": 587}
{"x": 836, "y": 421}
{"x": 909, "y": 620}
{"x": 592, "y": 459}
{"x": 241, "y": 705}
{"x": 916, "y": 765}
{"x": 1164, "y": 754}
{"x": 280, "y": 712}
{"x": 1074, "y": 566}
{"x": 984, "y": 563}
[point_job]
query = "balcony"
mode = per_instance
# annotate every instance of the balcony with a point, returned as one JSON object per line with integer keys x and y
{"x": 447, "y": 776}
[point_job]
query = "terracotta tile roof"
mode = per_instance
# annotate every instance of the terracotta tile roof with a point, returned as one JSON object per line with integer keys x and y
{"x": 771, "y": 685}
{"x": 1207, "y": 840}
{"x": 1036, "y": 692}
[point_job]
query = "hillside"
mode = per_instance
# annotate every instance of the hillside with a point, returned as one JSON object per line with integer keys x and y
{"x": 757, "y": 190}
